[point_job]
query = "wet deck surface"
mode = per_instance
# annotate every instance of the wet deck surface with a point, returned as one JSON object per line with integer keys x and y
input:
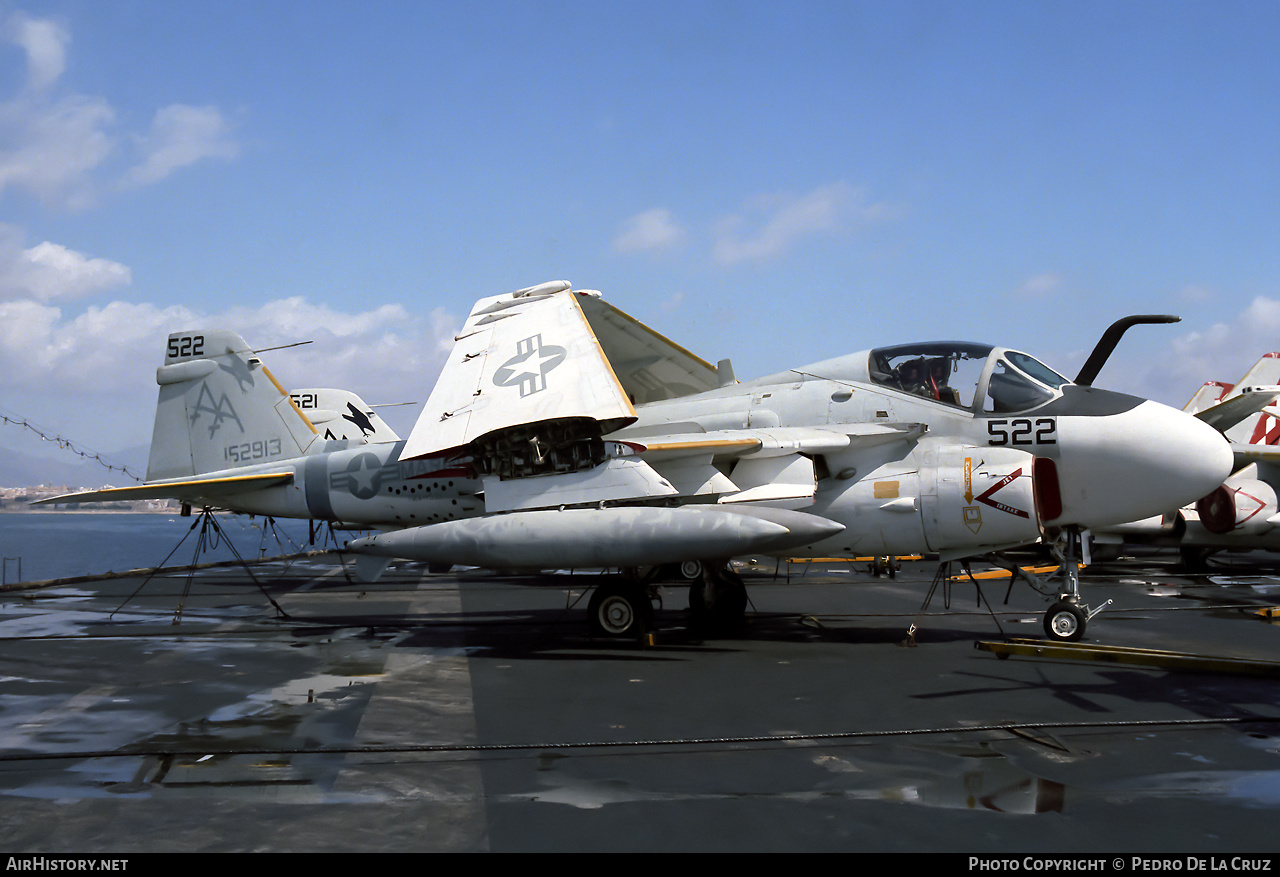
{"x": 471, "y": 713}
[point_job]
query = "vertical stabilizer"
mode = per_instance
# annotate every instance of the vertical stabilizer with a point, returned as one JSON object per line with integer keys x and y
{"x": 342, "y": 415}
{"x": 1207, "y": 396}
{"x": 1262, "y": 428}
{"x": 220, "y": 408}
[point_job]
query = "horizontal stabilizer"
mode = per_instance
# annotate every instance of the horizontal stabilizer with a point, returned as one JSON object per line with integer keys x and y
{"x": 182, "y": 489}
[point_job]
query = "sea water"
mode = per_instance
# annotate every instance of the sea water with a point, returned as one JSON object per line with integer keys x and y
{"x": 54, "y": 545}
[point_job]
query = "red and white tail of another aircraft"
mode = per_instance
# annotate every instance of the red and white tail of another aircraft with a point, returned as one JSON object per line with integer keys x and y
{"x": 1244, "y": 512}
{"x": 1262, "y": 426}
{"x": 1207, "y": 396}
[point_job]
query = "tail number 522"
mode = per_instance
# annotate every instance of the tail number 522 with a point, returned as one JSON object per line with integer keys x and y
{"x": 185, "y": 345}
{"x": 1023, "y": 431}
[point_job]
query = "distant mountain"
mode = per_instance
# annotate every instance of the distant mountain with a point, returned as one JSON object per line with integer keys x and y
{"x": 24, "y": 470}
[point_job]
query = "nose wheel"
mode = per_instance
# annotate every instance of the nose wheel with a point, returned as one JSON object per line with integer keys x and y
{"x": 1065, "y": 622}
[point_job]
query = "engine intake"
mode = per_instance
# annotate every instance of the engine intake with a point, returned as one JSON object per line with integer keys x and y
{"x": 1245, "y": 506}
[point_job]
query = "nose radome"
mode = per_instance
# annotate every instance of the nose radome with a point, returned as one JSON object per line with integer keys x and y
{"x": 1145, "y": 461}
{"x": 1201, "y": 452}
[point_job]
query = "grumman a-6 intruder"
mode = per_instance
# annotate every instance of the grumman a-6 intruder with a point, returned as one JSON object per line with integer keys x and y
{"x": 951, "y": 448}
{"x": 563, "y": 433}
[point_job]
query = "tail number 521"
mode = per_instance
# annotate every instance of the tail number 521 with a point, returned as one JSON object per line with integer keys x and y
{"x": 1023, "y": 431}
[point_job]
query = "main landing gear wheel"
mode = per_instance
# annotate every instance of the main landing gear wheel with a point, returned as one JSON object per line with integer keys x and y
{"x": 1195, "y": 559}
{"x": 1065, "y": 622}
{"x": 691, "y": 570}
{"x": 620, "y": 609}
{"x": 884, "y": 565}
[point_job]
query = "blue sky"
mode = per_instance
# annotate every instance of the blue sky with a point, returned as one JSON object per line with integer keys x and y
{"x": 772, "y": 182}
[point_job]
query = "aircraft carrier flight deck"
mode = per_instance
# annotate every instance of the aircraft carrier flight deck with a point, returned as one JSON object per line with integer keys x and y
{"x": 297, "y": 711}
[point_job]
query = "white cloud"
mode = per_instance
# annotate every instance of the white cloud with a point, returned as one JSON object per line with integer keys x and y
{"x": 180, "y": 136}
{"x": 45, "y": 43}
{"x": 51, "y": 149}
{"x": 90, "y": 352}
{"x": 654, "y": 229}
{"x": 1172, "y": 371}
{"x": 671, "y": 303}
{"x": 1193, "y": 294}
{"x": 1042, "y": 285}
{"x": 293, "y": 319}
{"x": 50, "y": 271}
{"x": 1224, "y": 351}
{"x": 775, "y": 223}
{"x": 57, "y": 147}
{"x": 22, "y": 324}
{"x": 48, "y": 146}
{"x": 96, "y": 369}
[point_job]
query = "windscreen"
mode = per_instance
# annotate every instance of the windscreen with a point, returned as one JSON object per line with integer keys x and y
{"x": 945, "y": 371}
{"x": 1019, "y": 383}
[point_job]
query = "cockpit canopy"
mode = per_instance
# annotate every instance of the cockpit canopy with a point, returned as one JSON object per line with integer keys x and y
{"x": 977, "y": 377}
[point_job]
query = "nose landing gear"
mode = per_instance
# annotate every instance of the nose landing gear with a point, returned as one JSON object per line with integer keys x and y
{"x": 1067, "y": 619}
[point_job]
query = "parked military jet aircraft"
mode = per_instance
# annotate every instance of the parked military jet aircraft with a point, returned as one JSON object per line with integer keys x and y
{"x": 228, "y": 435}
{"x": 563, "y": 433}
{"x": 947, "y": 447}
{"x": 1241, "y": 513}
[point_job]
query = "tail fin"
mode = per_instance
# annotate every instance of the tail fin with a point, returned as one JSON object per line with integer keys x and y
{"x": 341, "y": 414}
{"x": 1262, "y": 427}
{"x": 1207, "y": 396}
{"x": 220, "y": 408}
{"x": 1265, "y": 371}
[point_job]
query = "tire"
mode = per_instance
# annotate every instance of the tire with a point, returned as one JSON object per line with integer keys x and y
{"x": 727, "y": 611}
{"x": 691, "y": 570}
{"x": 618, "y": 612}
{"x": 1064, "y": 622}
